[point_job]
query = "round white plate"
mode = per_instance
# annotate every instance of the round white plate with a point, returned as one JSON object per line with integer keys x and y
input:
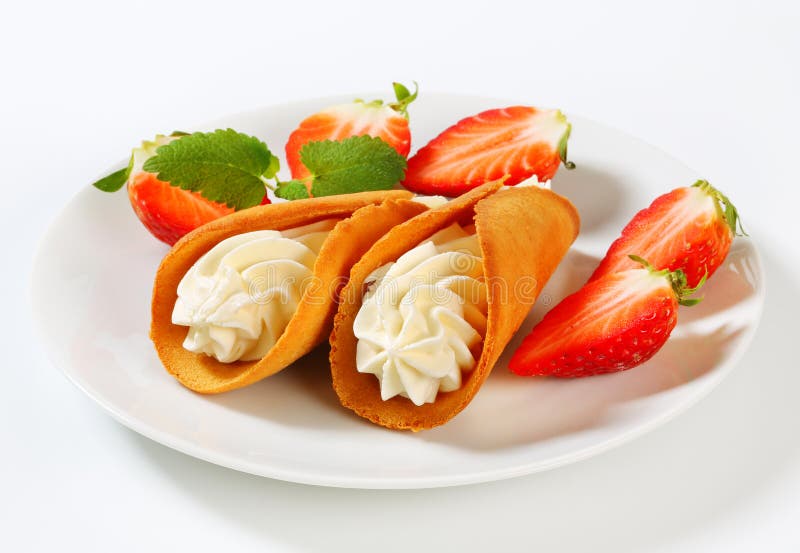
{"x": 91, "y": 298}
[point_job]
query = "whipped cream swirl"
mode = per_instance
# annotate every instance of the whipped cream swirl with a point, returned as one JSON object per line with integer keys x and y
{"x": 423, "y": 317}
{"x": 238, "y": 298}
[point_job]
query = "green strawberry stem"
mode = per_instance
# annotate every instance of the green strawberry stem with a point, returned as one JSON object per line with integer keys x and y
{"x": 269, "y": 184}
{"x": 562, "y": 144}
{"x": 404, "y": 98}
{"x": 677, "y": 280}
{"x": 403, "y": 95}
{"x": 728, "y": 211}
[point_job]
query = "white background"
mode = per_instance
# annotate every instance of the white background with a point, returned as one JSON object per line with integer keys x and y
{"x": 715, "y": 84}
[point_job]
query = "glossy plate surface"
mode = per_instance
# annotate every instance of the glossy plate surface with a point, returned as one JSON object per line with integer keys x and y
{"x": 91, "y": 289}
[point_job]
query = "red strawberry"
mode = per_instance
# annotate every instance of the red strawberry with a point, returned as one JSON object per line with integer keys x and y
{"x": 515, "y": 142}
{"x": 684, "y": 229}
{"x": 167, "y": 211}
{"x": 386, "y": 121}
{"x": 611, "y": 324}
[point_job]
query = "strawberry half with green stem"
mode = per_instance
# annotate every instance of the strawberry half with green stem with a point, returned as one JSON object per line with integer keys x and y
{"x": 612, "y": 324}
{"x": 689, "y": 228}
{"x": 388, "y": 122}
{"x": 168, "y": 211}
{"x": 516, "y": 142}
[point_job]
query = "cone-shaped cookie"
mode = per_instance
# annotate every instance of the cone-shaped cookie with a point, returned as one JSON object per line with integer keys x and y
{"x": 523, "y": 233}
{"x": 363, "y": 219}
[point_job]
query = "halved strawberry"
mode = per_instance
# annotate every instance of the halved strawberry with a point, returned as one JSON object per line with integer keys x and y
{"x": 689, "y": 228}
{"x": 167, "y": 211}
{"x": 611, "y": 324}
{"x": 516, "y": 142}
{"x": 386, "y": 121}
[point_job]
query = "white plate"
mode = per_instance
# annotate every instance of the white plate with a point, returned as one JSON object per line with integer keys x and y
{"x": 91, "y": 293}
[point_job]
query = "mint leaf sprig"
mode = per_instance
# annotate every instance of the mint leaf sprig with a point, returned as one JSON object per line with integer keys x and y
{"x": 292, "y": 190}
{"x": 224, "y": 166}
{"x": 355, "y": 164}
{"x": 229, "y": 167}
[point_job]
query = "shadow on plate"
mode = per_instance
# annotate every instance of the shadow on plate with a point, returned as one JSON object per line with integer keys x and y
{"x": 732, "y": 284}
{"x": 538, "y": 409}
{"x": 594, "y": 192}
{"x": 294, "y": 397}
{"x": 298, "y": 395}
{"x": 511, "y": 410}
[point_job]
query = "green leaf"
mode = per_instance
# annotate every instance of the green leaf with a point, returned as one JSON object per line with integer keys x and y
{"x": 562, "y": 143}
{"x": 677, "y": 279}
{"x": 116, "y": 180}
{"x": 292, "y": 190}
{"x": 400, "y": 91}
{"x": 113, "y": 182}
{"x": 355, "y": 164}
{"x": 223, "y": 166}
{"x": 404, "y": 97}
{"x": 272, "y": 170}
{"x": 728, "y": 210}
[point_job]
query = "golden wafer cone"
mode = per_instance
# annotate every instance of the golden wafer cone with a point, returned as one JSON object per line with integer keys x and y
{"x": 366, "y": 217}
{"x": 523, "y": 235}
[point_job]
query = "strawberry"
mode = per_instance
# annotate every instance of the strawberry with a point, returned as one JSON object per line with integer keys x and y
{"x": 613, "y": 323}
{"x": 516, "y": 142}
{"x": 386, "y": 121}
{"x": 167, "y": 211}
{"x": 689, "y": 228}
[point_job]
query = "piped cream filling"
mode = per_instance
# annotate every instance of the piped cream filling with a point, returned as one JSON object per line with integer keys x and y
{"x": 423, "y": 316}
{"x": 239, "y": 297}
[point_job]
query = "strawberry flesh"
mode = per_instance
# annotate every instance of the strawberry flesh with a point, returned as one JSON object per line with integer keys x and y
{"x": 167, "y": 211}
{"x": 343, "y": 121}
{"x": 612, "y": 324}
{"x": 516, "y": 142}
{"x": 683, "y": 229}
